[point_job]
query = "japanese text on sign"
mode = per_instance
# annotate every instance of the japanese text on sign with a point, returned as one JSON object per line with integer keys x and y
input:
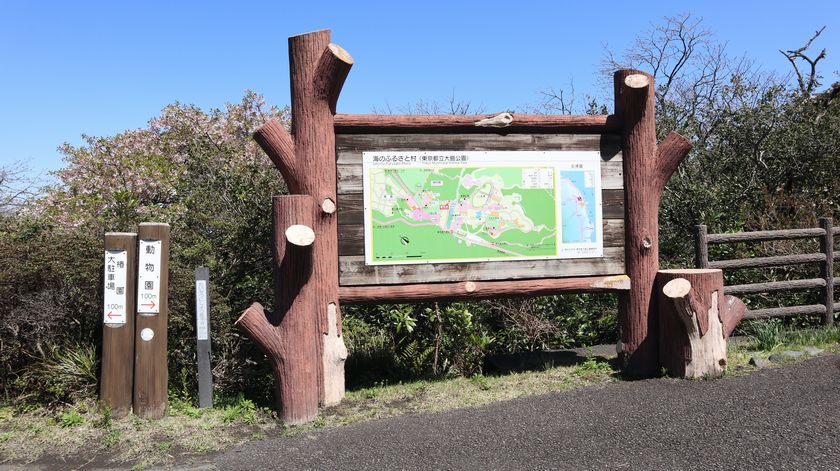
{"x": 116, "y": 268}
{"x": 201, "y": 309}
{"x": 148, "y": 279}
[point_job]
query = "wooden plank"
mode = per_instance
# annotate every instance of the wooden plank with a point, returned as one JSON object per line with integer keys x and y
{"x": 509, "y": 123}
{"x": 353, "y": 271}
{"x": 351, "y": 238}
{"x": 151, "y": 374}
{"x": 776, "y": 261}
{"x": 480, "y": 289}
{"x": 115, "y": 388}
{"x": 785, "y": 311}
{"x": 756, "y": 236}
{"x": 351, "y": 207}
{"x": 350, "y": 176}
{"x": 350, "y": 146}
{"x": 774, "y": 286}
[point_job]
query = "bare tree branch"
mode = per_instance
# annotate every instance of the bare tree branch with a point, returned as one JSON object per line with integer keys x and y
{"x": 809, "y": 82}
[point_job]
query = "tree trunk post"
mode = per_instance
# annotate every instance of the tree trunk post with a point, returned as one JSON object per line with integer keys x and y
{"x": 695, "y": 319}
{"x": 306, "y": 159}
{"x": 647, "y": 168}
{"x": 289, "y": 335}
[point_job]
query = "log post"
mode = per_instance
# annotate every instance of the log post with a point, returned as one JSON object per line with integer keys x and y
{"x": 695, "y": 319}
{"x": 827, "y": 269}
{"x": 120, "y": 291}
{"x": 306, "y": 159}
{"x": 647, "y": 168}
{"x": 289, "y": 335}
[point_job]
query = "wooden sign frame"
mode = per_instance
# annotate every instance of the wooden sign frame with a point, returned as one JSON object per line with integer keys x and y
{"x": 302, "y": 338}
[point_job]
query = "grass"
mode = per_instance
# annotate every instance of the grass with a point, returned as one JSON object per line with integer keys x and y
{"x": 187, "y": 432}
{"x": 767, "y": 337}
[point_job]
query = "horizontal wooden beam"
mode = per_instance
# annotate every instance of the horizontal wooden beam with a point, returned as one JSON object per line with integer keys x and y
{"x": 785, "y": 311}
{"x": 501, "y": 123}
{"x": 776, "y": 261}
{"x": 480, "y": 289}
{"x": 774, "y": 286}
{"x": 756, "y": 236}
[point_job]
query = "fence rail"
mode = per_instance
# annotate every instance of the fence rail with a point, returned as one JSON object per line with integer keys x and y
{"x": 825, "y": 257}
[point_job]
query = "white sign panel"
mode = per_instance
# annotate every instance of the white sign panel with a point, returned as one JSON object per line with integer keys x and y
{"x": 148, "y": 279}
{"x": 201, "y": 309}
{"x": 475, "y": 206}
{"x": 116, "y": 271}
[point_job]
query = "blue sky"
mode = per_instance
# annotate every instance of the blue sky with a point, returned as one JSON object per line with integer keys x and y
{"x": 101, "y": 67}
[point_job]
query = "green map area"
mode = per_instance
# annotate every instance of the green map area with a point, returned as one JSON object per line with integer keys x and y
{"x": 462, "y": 213}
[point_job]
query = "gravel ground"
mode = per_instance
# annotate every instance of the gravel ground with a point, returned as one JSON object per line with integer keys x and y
{"x": 777, "y": 418}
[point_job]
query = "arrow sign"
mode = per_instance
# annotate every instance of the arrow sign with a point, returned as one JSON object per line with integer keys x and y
{"x": 148, "y": 278}
{"x": 115, "y": 287}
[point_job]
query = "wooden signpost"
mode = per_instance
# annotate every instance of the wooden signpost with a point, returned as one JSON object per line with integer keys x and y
{"x": 202, "y": 334}
{"x": 120, "y": 278}
{"x": 150, "y": 366}
{"x": 320, "y": 244}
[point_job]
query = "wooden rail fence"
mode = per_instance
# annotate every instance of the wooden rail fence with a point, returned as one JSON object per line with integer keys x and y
{"x": 826, "y": 282}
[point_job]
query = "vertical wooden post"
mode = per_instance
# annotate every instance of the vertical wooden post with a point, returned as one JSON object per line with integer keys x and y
{"x": 289, "y": 336}
{"x": 306, "y": 159}
{"x": 701, "y": 246}
{"x": 827, "y": 268}
{"x": 151, "y": 372}
{"x": 118, "y": 322}
{"x": 647, "y": 168}
{"x": 202, "y": 335}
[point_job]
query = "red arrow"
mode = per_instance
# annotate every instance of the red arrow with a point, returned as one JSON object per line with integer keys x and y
{"x": 150, "y": 304}
{"x": 109, "y": 316}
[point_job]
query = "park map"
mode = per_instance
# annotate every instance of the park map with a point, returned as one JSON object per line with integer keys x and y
{"x": 439, "y": 207}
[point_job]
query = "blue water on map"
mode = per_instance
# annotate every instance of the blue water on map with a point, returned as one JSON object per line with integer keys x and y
{"x": 577, "y": 210}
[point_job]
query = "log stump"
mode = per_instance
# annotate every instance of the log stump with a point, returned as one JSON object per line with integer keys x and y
{"x": 695, "y": 319}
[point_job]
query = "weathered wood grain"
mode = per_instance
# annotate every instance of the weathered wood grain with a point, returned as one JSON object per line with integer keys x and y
{"x": 757, "y": 236}
{"x": 512, "y": 122}
{"x": 350, "y": 146}
{"x": 481, "y": 289}
{"x": 775, "y": 261}
{"x": 353, "y": 270}
{"x": 117, "y": 379}
{"x": 695, "y": 319}
{"x": 774, "y": 286}
{"x": 151, "y": 370}
{"x": 351, "y": 238}
{"x": 827, "y": 268}
{"x": 785, "y": 311}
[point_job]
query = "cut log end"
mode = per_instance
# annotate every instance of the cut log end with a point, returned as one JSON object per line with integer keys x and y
{"x": 340, "y": 53}
{"x": 300, "y": 235}
{"x": 677, "y": 288}
{"x": 328, "y": 206}
{"x": 637, "y": 81}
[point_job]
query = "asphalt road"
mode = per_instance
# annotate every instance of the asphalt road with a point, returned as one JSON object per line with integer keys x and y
{"x": 778, "y": 418}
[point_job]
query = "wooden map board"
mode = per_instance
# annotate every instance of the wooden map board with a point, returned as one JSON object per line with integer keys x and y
{"x": 352, "y": 268}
